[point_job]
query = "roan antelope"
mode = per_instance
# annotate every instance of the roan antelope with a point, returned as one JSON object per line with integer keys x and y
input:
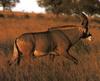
{"x": 55, "y": 41}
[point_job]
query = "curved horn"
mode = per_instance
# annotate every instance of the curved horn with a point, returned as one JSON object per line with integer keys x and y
{"x": 84, "y": 21}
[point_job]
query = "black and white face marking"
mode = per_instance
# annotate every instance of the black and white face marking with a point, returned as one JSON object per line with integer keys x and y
{"x": 89, "y": 38}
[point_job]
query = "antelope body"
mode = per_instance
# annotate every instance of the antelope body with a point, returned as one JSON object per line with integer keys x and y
{"x": 55, "y": 41}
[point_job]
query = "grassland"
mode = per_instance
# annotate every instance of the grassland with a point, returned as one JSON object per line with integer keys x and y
{"x": 43, "y": 69}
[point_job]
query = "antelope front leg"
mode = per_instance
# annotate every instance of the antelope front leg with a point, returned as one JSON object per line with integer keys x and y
{"x": 70, "y": 57}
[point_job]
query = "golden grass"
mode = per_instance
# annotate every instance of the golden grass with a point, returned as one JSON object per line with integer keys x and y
{"x": 43, "y": 69}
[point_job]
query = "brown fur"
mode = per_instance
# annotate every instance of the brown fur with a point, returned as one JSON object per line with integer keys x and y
{"x": 43, "y": 43}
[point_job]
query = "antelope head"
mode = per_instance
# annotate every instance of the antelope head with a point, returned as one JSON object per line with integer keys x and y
{"x": 86, "y": 34}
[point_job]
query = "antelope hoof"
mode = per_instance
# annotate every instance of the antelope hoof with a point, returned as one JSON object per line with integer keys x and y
{"x": 76, "y": 61}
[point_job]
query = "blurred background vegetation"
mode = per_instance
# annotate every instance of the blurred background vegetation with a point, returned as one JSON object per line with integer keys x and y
{"x": 71, "y": 6}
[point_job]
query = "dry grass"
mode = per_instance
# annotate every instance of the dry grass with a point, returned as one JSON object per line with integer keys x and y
{"x": 43, "y": 69}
